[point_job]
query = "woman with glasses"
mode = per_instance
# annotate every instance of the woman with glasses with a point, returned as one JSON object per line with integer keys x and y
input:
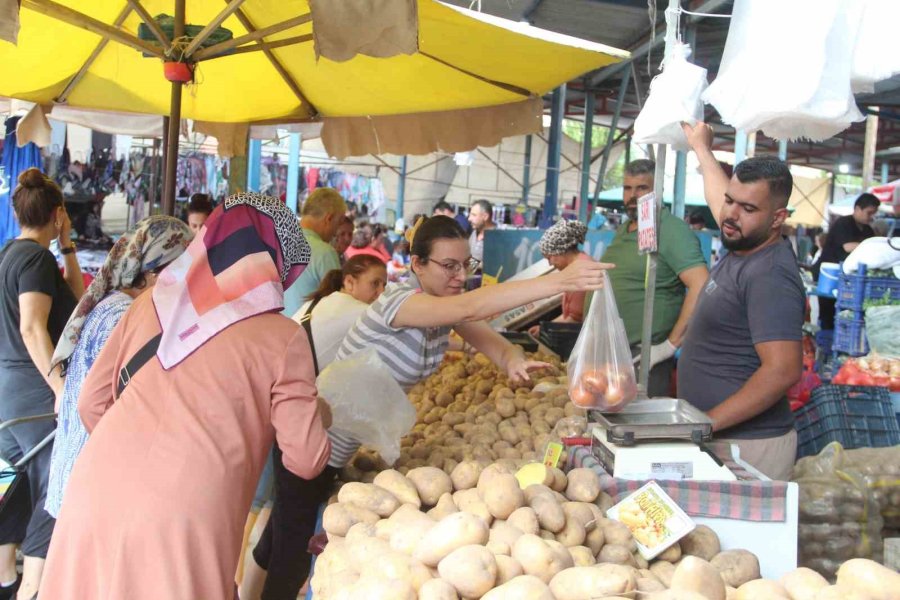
{"x": 130, "y": 270}
{"x": 409, "y": 326}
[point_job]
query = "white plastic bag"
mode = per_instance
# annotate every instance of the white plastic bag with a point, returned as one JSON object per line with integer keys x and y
{"x": 674, "y": 97}
{"x": 367, "y": 403}
{"x": 786, "y": 68}
{"x": 875, "y": 57}
{"x": 600, "y": 368}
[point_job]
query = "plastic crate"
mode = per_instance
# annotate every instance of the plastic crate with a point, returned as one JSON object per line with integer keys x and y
{"x": 855, "y": 416}
{"x": 854, "y": 289}
{"x": 850, "y": 337}
{"x": 824, "y": 340}
{"x": 560, "y": 337}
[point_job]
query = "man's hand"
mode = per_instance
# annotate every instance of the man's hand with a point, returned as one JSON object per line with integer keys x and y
{"x": 534, "y": 330}
{"x": 699, "y": 136}
{"x": 658, "y": 353}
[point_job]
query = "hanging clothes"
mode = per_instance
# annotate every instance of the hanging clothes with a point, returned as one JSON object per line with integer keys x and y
{"x": 14, "y": 160}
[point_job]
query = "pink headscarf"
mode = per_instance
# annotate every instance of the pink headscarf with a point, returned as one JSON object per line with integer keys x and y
{"x": 249, "y": 251}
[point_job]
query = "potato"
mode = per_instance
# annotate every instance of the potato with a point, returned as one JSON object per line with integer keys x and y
{"x": 702, "y": 542}
{"x": 392, "y": 565}
{"x": 503, "y": 496}
{"x": 675, "y": 595}
{"x": 488, "y": 473}
{"x": 549, "y": 513}
{"x": 359, "y": 531}
{"x": 737, "y": 567}
{"x": 582, "y": 556}
{"x": 406, "y": 536}
{"x": 535, "y": 490}
{"x": 525, "y": 519}
{"x": 803, "y": 583}
{"x": 534, "y": 473}
{"x": 617, "y": 533}
{"x": 431, "y": 483}
{"x": 694, "y": 574}
{"x": 761, "y": 588}
{"x": 639, "y": 561}
{"x": 840, "y": 592}
{"x": 647, "y": 585}
{"x": 452, "y": 532}
{"x": 594, "y": 540}
{"x": 339, "y": 518}
{"x": 876, "y": 580}
{"x": 538, "y": 558}
{"x": 505, "y": 407}
{"x": 471, "y": 569}
{"x": 671, "y": 554}
{"x": 663, "y": 571}
{"x": 560, "y": 481}
{"x": 523, "y": 587}
{"x": 507, "y": 568}
{"x": 370, "y": 497}
{"x": 444, "y": 507}
{"x": 586, "y": 583}
{"x": 583, "y": 485}
{"x": 502, "y": 531}
{"x": 572, "y": 534}
{"x": 498, "y": 548}
{"x": 616, "y": 555}
{"x": 580, "y": 511}
{"x": 378, "y": 588}
{"x": 398, "y": 485}
{"x": 470, "y": 501}
{"x": 437, "y": 589}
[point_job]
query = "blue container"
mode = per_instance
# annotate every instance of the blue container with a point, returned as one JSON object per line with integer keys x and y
{"x": 854, "y": 289}
{"x": 829, "y": 280}
{"x": 855, "y": 416}
{"x": 850, "y": 337}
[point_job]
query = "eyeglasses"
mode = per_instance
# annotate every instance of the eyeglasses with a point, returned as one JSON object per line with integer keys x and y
{"x": 453, "y": 268}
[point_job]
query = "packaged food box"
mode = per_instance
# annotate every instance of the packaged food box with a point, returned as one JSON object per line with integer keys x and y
{"x": 655, "y": 520}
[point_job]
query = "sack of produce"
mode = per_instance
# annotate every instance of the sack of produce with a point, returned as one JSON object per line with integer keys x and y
{"x": 674, "y": 98}
{"x": 839, "y": 516}
{"x": 880, "y": 469}
{"x": 601, "y": 372}
{"x": 883, "y": 332}
{"x": 367, "y": 403}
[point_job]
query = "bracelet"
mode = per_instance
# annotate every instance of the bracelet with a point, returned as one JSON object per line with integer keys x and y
{"x": 68, "y": 250}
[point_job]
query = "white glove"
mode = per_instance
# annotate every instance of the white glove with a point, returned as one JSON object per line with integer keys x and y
{"x": 658, "y": 353}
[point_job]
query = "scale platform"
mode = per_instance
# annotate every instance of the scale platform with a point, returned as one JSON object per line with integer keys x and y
{"x": 656, "y": 438}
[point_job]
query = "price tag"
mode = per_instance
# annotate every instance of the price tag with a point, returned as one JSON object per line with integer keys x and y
{"x": 647, "y": 223}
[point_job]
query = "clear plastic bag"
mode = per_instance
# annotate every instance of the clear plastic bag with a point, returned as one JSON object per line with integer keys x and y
{"x": 883, "y": 330}
{"x": 600, "y": 369}
{"x": 674, "y": 97}
{"x": 367, "y": 403}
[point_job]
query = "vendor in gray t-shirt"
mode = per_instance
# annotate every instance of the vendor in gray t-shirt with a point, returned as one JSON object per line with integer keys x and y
{"x": 743, "y": 348}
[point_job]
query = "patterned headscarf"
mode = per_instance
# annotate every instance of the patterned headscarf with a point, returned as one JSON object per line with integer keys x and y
{"x": 564, "y": 236}
{"x": 248, "y": 252}
{"x": 153, "y": 243}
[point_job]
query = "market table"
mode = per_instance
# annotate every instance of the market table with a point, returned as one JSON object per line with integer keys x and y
{"x": 752, "y": 513}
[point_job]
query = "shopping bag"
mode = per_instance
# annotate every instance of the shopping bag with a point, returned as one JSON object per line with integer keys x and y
{"x": 674, "y": 98}
{"x": 14, "y": 490}
{"x": 367, "y": 403}
{"x": 600, "y": 369}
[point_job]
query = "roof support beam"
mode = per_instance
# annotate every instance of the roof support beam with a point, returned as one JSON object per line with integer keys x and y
{"x": 252, "y": 35}
{"x": 212, "y": 26}
{"x": 148, "y": 20}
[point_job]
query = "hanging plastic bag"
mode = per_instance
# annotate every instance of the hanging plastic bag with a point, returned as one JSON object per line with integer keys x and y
{"x": 600, "y": 369}
{"x": 674, "y": 98}
{"x": 367, "y": 403}
{"x": 790, "y": 81}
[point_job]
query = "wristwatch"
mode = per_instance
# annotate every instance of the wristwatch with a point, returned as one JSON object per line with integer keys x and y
{"x": 70, "y": 249}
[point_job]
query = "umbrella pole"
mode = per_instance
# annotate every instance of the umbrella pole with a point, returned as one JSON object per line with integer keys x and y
{"x": 174, "y": 130}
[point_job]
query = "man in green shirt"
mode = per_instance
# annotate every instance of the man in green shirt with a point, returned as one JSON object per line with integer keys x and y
{"x": 680, "y": 275}
{"x": 322, "y": 215}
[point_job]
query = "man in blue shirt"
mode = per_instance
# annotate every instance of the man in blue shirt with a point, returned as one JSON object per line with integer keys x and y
{"x": 322, "y": 215}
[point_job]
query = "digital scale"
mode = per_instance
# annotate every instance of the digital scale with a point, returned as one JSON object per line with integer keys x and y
{"x": 656, "y": 438}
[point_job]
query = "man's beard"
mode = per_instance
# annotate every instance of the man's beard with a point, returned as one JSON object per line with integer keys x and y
{"x": 744, "y": 242}
{"x": 631, "y": 210}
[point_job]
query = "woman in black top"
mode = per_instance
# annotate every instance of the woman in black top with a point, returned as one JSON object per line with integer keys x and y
{"x": 35, "y": 304}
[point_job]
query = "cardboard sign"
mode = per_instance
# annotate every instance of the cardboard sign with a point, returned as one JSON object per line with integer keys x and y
{"x": 647, "y": 223}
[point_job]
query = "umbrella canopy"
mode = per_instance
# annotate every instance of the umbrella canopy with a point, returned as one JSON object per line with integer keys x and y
{"x": 271, "y": 70}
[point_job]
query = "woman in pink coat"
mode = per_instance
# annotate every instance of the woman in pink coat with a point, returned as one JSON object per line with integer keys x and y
{"x": 156, "y": 502}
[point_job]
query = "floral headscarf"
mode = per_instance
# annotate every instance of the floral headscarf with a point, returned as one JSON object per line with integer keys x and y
{"x": 153, "y": 243}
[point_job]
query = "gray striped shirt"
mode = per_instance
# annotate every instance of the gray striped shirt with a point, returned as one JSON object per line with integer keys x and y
{"x": 410, "y": 353}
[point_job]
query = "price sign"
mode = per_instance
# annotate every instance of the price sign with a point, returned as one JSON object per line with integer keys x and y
{"x": 647, "y": 223}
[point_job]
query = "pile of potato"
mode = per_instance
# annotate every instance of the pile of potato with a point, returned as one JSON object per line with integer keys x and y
{"x": 880, "y": 469}
{"x": 840, "y": 517}
{"x": 468, "y": 410}
{"x": 476, "y": 533}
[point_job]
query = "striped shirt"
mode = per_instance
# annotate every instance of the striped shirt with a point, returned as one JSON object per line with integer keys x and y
{"x": 410, "y": 353}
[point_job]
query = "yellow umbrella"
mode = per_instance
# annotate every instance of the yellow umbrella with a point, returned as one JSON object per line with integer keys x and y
{"x": 404, "y": 76}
